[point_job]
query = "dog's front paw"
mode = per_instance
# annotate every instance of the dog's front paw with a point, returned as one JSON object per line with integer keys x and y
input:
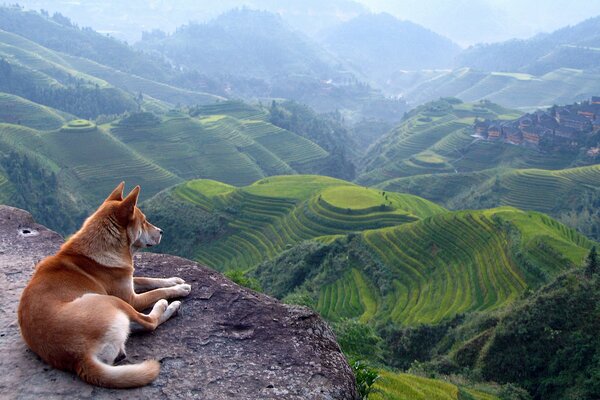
{"x": 183, "y": 289}
{"x": 175, "y": 281}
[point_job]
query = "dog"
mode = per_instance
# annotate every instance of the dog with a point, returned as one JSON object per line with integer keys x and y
{"x": 81, "y": 303}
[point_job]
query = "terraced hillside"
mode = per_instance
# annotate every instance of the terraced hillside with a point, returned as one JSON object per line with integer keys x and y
{"x": 19, "y": 111}
{"x": 434, "y": 138}
{"x": 392, "y": 386}
{"x": 219, "y": 146}
{"x": 429, "y": 270}
{"x": 517, "y": 90}
{"x": 570, "y": 194}
{"x": 263, "y": 219}
{"x": 46, "y": 69}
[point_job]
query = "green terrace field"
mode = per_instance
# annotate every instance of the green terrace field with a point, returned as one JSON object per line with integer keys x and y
{"x": 460, "y": 262}
{"x": 428, "y": 270}
{"x": 158, "y": 152}
{"x": 219, "y": 146}
{"x": 19, "y": 111}
{"x": 400, "y": 386}
{"x": 434, "y": 138}
{"x": 550, "y": 191}
{"x": 265, "y": 218}
{"x": 426, "y": 264}
{"x": 519, "y": 90}
{"x": 86, "y": 157}
{"x": 53, "y": 67}
{"x": 135, "y": 84}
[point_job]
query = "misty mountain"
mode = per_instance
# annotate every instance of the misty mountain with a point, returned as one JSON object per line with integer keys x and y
{"x": 58, "y": 33}
{"x": 575, "y": 46}
{"x": 243, "y": 42}
{"x": 127, "y": 20}
{"x": 380, "y": 45}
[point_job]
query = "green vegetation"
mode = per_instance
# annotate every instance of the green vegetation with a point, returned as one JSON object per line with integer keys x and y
{"x": 79, "y": 125}
{"x": 571, "y": 194}
{"x": 436, "y": 138}
{"x": 556, "y": 85}
{"x": 19, "y": 111}
{"x": 265, "y": 218}
{"x": 430, "y": 270}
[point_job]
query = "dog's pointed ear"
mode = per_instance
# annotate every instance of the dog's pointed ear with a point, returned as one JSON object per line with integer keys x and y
{"x": 116, "y": 194}
{"x": 128, "y": 204}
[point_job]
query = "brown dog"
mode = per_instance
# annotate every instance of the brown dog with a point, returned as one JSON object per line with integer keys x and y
{"x": 76, "y": 311}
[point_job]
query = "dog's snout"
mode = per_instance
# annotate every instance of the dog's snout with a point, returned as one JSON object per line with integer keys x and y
{"x": 160, "y": 231}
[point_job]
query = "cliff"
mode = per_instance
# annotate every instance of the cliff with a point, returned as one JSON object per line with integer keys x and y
{"x": 228, "y": 342}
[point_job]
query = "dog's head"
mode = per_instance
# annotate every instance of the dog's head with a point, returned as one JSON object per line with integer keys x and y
{"x": 140, "y": 233}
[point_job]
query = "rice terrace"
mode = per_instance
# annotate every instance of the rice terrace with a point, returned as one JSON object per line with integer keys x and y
{"x": 340, "y": 199}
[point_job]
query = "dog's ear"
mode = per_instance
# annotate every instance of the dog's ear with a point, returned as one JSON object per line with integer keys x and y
{"x": 116, "y": 194}
{"x": 128, "y": 204}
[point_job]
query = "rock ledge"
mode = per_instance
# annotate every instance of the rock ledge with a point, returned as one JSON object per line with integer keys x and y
{"x": 227, "y": 343}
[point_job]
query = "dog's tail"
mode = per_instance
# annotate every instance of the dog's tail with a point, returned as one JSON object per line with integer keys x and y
{"x": 98, "y": 373}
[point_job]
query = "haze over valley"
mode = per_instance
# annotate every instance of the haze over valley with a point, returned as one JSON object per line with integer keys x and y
{"x": 423, "y": 175}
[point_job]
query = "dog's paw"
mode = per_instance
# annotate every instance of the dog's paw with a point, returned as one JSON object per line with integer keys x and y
{"x": 170, "y": 311}
{"x": 175, "y": 281}
{"x": 161, "y": 305}
{"x": 183, "y": 289}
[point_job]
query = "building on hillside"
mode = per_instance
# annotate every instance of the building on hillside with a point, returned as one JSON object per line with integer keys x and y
{"x": 596, "y": 125}
{"x": 493, "y": 132}
{"x": 513, "y": 135}
{"x": 576, "y": 121}
{"x": 587, "y": 111}
{"x": 481, "y": 127}
{"x": 556, "y": 127}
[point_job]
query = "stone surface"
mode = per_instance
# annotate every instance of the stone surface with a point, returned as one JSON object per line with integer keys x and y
{"x": 228, "y": 342}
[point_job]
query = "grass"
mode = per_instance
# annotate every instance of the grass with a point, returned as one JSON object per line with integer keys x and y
{"x": 266, "y": 217}
{"x": 79, "y": 125}
{"x": 220, "y": 147}
{"x": 423, "y": 144}
{"x": 437, "y": 264}
{"x": 548, "y": 191}
{"x": 401, "y": 386}
{"x": 19, "y": 111}
{"x": 520, "y": 91}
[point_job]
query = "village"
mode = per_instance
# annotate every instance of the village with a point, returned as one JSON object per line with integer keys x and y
{"x": 567, "y": 127}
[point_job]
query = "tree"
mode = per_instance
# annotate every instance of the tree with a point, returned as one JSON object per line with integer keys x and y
{"x": 592, "y": 266}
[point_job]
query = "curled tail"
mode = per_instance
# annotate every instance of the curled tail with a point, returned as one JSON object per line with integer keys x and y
{"x": 98, "y": 373}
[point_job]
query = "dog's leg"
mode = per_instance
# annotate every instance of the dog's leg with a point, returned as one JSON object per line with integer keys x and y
{"x": 143, "y": 284}
{"x": 144, "y": 300}
{"x": 161, "y": 312}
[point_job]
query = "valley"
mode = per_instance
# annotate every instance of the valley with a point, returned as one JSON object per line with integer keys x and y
{"x": 420, "y": 201}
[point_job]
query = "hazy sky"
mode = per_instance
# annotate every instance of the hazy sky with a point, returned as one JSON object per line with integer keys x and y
{"x": 471, "y": 21}
{"x": 464, "y": 21}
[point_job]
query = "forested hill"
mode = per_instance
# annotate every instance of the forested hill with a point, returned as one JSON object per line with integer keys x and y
{"x": 380, "y": 46}
{"x": 570, "y": 47}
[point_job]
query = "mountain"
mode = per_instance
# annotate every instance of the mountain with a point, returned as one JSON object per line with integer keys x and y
{"x": 244, "y": 42}
{"x": 60, "y": 34}
{"x": 237, "y": 228}
{"x": 570, "y": 195}
{"x": 380, "y": 45}
{"x": 570, "y": 47}
{"x": 256, "y": 55}
{"x": 374, "y": 256}
{"x": 427, "y": 271}
{"x": 228, "y": 141}
{"x": 127, "y": 21}
{"x": 511, "y": 89}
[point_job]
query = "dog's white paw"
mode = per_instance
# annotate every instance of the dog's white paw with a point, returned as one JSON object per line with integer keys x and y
{"x": 183, "y": 289}
{"x": 175, "y": 281}
{"x": 170, "y": 311}
{"x": 159, "y": 307}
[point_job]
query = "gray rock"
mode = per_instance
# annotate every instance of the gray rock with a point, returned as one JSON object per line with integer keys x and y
{"x": 228, "y": 342}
